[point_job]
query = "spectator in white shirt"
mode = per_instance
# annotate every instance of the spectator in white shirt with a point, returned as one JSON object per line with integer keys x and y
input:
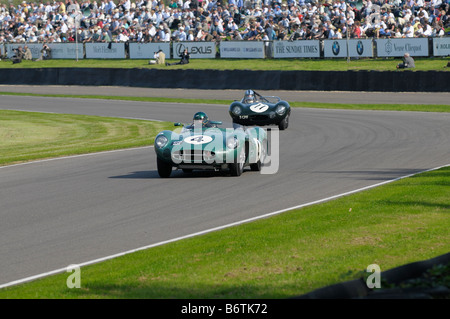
{"x": 418, "y": 4}
{"x": 167, "y": 35}
{"x": 182, "y": 35}
{"x": 408, "y": 30}
{"x": 190, "y": 36}
{"x": 127, "y": 5}
{"x": 427, "y": 30}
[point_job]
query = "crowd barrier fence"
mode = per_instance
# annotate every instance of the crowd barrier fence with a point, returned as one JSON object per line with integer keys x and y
{"x": 311, "y": 49}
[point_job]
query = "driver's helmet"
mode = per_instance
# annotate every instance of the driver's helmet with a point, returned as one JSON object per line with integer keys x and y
{"x": 200, "y": 119}
{"x": 249, "y": 96}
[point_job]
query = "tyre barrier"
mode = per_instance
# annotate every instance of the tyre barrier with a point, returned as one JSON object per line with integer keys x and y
{"x": 358, "y": 288}
{"x": 376, "y": 81}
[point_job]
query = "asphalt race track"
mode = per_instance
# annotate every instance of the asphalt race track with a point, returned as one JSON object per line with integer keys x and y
{"x": 297, "y": 96}
{"x": 73, "y": 210}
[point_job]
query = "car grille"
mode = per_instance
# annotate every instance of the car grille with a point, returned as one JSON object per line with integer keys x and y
{"x": 258, "y": 117}
{"x": 193, "y": 156}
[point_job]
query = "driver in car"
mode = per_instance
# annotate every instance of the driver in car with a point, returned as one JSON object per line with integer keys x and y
{"x": 201, "y": 120}
{"x": 249, "y": 97}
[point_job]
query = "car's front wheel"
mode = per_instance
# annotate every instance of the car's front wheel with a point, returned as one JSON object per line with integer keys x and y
{"x": 164, "y": 169}
{"x": 284, "y": 123}
{"x": 237, "y": 167}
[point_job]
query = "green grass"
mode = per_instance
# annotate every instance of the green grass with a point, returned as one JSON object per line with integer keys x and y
{"x": 286, "y": 255}
{"x": 384, "y": 107}
{"x": 26, "y": 136}
{"x": 422, "y": 64}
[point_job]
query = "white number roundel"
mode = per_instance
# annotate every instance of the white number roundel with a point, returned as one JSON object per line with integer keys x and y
{"x": 259, "y": 108}
{"x": 198, "y": 139}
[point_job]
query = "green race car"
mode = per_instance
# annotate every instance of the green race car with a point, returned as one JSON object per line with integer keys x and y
{"x": 202, "y": 145}
{"x": 255, "y": 109}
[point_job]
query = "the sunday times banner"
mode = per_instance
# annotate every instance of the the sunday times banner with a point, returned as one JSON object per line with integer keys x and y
{"x": 197, "y": 50}
{"x": 441, "y": 46}
{"x": 147, "y": 50}
{"x": 242, "y": 49}
{"x": 398, "y": 47}
{"x": 296, "y": 49}
{"x": 105, "y": 50}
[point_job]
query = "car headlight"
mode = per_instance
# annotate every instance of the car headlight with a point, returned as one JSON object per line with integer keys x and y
{"x": 236, "y": 110}
{"x": 280, "y": 109}
{"x": 161, "y": 141}
{"x": 232, "y": 142}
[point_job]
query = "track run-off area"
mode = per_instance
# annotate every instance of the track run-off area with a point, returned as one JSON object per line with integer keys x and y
{"x": 74, "y": 210}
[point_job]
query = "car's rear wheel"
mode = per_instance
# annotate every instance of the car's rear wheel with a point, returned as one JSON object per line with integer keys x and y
{"x": 237, "y": 167}
{"x": 164, "y": 169}
{"x": 284, "y": 123}
{"x": 256, "y": 167}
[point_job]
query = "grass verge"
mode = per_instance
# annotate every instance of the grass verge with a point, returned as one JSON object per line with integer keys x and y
{"x": 380, "y": 64}
{"x": 26, "y": 136}
{"x": 278, "y": 257}
{"x": 379, "y": 107}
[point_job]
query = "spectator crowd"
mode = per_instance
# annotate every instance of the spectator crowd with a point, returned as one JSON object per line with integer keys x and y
{"x": 218, "y": 20}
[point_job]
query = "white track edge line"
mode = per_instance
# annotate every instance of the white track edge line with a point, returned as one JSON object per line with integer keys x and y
{"x": 75, "y": 156}
{"x": 59, "y": 113}
{"x": 61, "y": 270}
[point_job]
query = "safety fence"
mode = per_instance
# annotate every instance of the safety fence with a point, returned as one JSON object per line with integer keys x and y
{"x": 342, "y": 48}
{"x": 362, "y": 80}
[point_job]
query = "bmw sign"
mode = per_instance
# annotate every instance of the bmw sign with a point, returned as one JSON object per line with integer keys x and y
{"x": 360, "y": 48}
{"x": 336, "y": 48}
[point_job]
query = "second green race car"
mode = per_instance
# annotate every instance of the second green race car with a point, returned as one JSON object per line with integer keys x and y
{"x": 255, "y": 109}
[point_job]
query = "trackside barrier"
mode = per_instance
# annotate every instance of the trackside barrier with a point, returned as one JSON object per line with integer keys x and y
{"x": 197, "y": 50}
{"x": 398, "y": 47}
{"x": 59, "y": 50}
{"x": 441, "y": 46}
{"x": 105, "y": 50}
{"x": 375, "y": 81}
{"x": 35, "y": 49}
{"x": 296, "y": 49}
{"x": 353, "y": 48}
{"x": 147, "y": 50}
{"x": 358, "y": 288}
{"x": 70, "y": 51}
{"x": 342, "y": 48}
{"x": 244, "y": 49}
